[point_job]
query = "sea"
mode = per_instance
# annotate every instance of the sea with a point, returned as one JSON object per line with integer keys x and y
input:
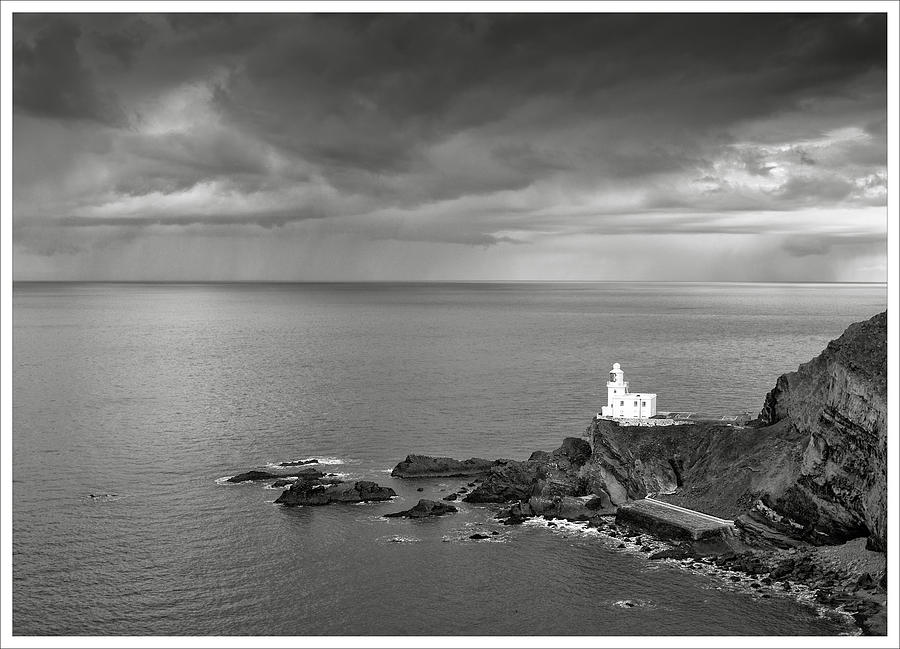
{"x": 132, "y": 403}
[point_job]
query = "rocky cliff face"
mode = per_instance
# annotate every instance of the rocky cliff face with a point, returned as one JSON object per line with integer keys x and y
{"x": 814, "y": 468}
{"x": 837, "y": 402}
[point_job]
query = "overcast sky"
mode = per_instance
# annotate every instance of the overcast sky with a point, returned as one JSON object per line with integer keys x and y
{"x": 333, "y": 147}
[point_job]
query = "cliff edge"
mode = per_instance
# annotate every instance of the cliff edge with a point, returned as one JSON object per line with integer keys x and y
{"x": 812, "y": 468}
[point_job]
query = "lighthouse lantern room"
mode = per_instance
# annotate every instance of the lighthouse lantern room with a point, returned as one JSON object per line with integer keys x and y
{"x": 622, "y": 404}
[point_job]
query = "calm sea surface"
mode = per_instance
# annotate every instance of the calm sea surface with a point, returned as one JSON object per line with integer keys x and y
{"x": 152, "y": 392}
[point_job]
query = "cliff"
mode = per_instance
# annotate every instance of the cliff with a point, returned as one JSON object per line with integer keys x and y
{"x": 813, "y": 468}
{"x": 837, "y": 402}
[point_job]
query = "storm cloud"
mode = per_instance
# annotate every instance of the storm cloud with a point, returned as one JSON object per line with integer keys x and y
{"x": 514, "y": 146}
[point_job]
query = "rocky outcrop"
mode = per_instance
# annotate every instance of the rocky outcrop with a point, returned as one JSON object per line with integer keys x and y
{"x": 310, "y": 492}
{"x": 813, "y": 468}
{"x": 254, "y": 476}
{"x": 546, "y": 475}
{"x": 424, "y": 509}
{"x": 838, "y": 403}
{"x": 512, "y": 481}
{"x": 424, "y": 466}
{"x": 299, "y": 462}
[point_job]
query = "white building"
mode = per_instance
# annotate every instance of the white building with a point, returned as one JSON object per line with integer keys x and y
{"x": 622, "y": 404}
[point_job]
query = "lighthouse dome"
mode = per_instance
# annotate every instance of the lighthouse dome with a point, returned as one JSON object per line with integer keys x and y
{"x": 616, "y": 367}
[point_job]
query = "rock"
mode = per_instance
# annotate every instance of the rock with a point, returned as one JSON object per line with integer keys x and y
{"x": 310, "y": 492}
{"x": 754, "y": 584}
{"x": 462, "y": 490}
{"x": 495, "y": 533}
{"x": 882, "y": 583}
{"x": 733, "y": 578}
{"x": 282, "y": 483}
{"x": 865, "y": 581}
{"x": 421, "y": 489}
{"x": 471, "y": 484}
{"x": 786, "y": 586}
{"x": 782, "y": 569}
{"x": 565, "y": 507}
{"x": 601, "y": 503}
{"x": 544, "y": 474}
{"x": 621, "y": 546}
{"x": 255, "y": 476}
{"x": 646, "y": 548}
{"x": 424, "y": 509}
{"x": 423, "y": 466}
{"x": 479, "y": 536}
{"x": 298, "y": 462}
{"x": 252, "y": 476}
{"x": 512, "y": 481}
{"x": 451, "y": 497}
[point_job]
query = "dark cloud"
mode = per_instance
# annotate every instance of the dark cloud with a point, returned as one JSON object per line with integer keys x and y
{"x": 49, "y": 79}
{"x": 469, "y": 129}
{"x": 125, "y": 42}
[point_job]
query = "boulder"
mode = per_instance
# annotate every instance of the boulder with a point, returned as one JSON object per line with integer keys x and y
{"x": 298, "y": 462}
{"x": 450, "y": 498}
{"x": 310, "y": 492}
{"x": 424, "y": 509}
{"x": 566, "y": 507}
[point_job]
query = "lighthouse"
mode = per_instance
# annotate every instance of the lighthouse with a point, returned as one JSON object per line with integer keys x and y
{"x": 622, "y": 404}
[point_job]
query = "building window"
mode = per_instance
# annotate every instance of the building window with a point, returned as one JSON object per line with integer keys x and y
{"x": 643, "y": 404}
{"x": 621, "y": 403}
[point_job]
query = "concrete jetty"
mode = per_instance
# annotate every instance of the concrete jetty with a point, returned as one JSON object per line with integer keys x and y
{"x": 664, "y": 520}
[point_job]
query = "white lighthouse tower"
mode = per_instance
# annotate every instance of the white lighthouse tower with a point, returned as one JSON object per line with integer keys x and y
{"x": 622, "y": 404}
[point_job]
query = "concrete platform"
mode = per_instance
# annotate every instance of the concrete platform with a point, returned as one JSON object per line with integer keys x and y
{"x": 664, "y": 520}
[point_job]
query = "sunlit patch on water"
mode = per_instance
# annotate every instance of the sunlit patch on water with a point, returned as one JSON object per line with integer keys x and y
{"x": 225, "y": 478}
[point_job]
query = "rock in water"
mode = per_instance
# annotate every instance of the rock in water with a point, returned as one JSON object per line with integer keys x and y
{"x": 298, "y": 462}
{"x": 253, "y": 476}
{"x": 423, "y": 509}
{"x": 424, "y": 466}
{"x": 310, "y": 492}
